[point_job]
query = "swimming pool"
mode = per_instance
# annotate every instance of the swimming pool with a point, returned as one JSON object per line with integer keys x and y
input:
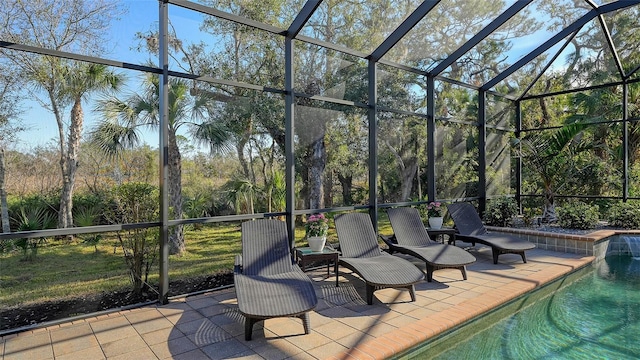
{"x": 597, "y": 316}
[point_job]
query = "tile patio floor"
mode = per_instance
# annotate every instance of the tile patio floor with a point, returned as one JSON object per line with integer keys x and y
{"x": 208, "y": 326}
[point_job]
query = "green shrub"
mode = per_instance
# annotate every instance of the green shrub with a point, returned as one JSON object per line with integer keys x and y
{"x": 500, "y": 211}
{"x": 34, "y": 212}
{"x": 36, "y": 218}
{"x": 578, "y": 215}
{"x": 136, "y": 203}
{"x": 529, "y": 214}
{"x": 88, "y": 209}
{"x": 624, "y": 215}
{"x": 88, "y": 216}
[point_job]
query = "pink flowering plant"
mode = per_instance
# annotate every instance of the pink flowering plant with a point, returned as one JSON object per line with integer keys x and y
{"x": 317, "y": 225}
{"x": 435, "y": 209}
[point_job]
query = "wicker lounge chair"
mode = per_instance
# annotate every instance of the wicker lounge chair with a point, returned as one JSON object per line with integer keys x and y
{"x": 362, "y": 255}
{"x": 268, "y": 284}
{"x": 471, "y": 229}
{"x": 411, "y": 237}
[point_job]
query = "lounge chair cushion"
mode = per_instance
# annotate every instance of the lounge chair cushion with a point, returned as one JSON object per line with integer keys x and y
{"x": 268, "y": 283}
{"x": 385, "y": 270}
{"x": 412, "y": 238}
{"x": 362, "y": 254}
{"x": 505, "y": 242}
{"x": 471, "y": 229}
{"x": 285, "y": 294}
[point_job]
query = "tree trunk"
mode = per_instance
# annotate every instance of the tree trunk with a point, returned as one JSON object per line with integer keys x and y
{"x": 327, "y": 187}
{"x": 69, "y": 164}
{"x": 6, "y": 228}
{"x": 243, "y": 161}
{"x": 65, "y": 203}
{"x": 408, "y": 174}
{"x": 546, "y": 118}
{"x": 549, "y": 215}
{"x": 347, "y": 185}
{"x": 176, "y": 235}
{"x": 408, "y": 170}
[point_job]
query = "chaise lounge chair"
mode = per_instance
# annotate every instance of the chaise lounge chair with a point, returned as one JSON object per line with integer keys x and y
{"x": 471, "y": 229}
{"x": 362, "y": 255}
{"x": 268, "y": 284}
{"x": 412, "y": 238}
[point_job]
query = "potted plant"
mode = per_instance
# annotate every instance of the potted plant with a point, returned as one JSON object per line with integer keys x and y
{"x": 316, "y": 227}
{"x": 435, "y": 211}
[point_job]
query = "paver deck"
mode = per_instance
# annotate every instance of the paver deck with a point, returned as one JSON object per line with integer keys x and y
{"x": 208, "y": 326}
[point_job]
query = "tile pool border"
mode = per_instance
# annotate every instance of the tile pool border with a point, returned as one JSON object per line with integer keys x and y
{"x": 442, "y": 342}
{"x": 599, "y": 243}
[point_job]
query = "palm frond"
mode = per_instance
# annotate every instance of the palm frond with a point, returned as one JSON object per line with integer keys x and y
{"x": 214, "y": 135}
{"x": 563, "y": 137}
{"x": 112, "y": 138}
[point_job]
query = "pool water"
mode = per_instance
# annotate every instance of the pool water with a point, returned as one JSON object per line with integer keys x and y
{"x": 595, "y": 317}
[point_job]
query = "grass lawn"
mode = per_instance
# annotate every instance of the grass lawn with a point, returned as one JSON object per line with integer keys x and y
{"x": 65, "y": 269}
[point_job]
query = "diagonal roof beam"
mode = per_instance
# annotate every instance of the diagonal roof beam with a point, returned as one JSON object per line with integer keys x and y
{"x": 303, "y": 16}
{"x": 632, "y": 72}
{"x": 591, "y": 3}
{"x": 612, "y": 46}
{"x": 576, "y": 25}
{"x": 493, "y": 26}
{"x": 224, "y": 15}
{"x": 535, "y": 80}
{"x": 408, "y": 24}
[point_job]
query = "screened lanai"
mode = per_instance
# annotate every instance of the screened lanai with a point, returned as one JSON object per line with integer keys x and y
{"x": 209, "y": 113}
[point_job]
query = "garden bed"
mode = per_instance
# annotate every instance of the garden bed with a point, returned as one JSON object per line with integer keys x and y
{"x": 21, "y": 316}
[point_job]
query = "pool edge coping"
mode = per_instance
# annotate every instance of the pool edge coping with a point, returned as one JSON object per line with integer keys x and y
{"x": 500, "y": 312}
{"x": 398, "y": 342}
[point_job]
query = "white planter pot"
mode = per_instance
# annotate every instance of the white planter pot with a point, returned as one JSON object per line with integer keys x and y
{"x": 435, "y": 222}
{"x": 316, "y": 243}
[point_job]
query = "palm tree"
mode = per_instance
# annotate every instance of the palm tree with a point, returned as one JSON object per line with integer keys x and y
{"x": 79, "y": 83}
{"x": 549, "y": 156}
{"x": 125, "y": 118}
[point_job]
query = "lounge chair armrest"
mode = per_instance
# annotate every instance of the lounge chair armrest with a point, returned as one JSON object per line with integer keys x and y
{"x": 237, "y": 266}
{"x": 388, "y": 239}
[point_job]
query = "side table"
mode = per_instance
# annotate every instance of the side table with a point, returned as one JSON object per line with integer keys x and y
{"x": 305, "y": 256}
{"x": 438, "y": 233}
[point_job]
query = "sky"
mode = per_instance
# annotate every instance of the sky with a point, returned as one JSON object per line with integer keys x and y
{"x": 141, "y": 16}
{"x": 41, "y": 126}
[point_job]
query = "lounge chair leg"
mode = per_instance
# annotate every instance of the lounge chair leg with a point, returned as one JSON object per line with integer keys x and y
{"x": 524, "y": 259}
{"x": 248, "y": 327}
{"x": 306, "y": 322}
{"x": 429, "y": 273}
{"x": 463, "y": 270}
{"x": 412, "y": 292}
{"x": 370, "y": 290}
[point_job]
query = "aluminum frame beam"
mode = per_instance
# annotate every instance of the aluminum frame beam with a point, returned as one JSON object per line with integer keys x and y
{"x": 163, "y": 59}
{"x": 482, "y": 150}
{"x": 431, "y": 139}
{"x": 625, "y": 142}
{"x": 573, "y": 27}
{"x": 475, "y": 40}
{"x": 373, "y": 143}
{"x": 535, "y": 80}
{"x": 227, "y": 16}
{"x": 289, "y": 123}
{"x": 303, "y": 16}
{"x": 612, "y": 46}
{"x": 412, "y": 20}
